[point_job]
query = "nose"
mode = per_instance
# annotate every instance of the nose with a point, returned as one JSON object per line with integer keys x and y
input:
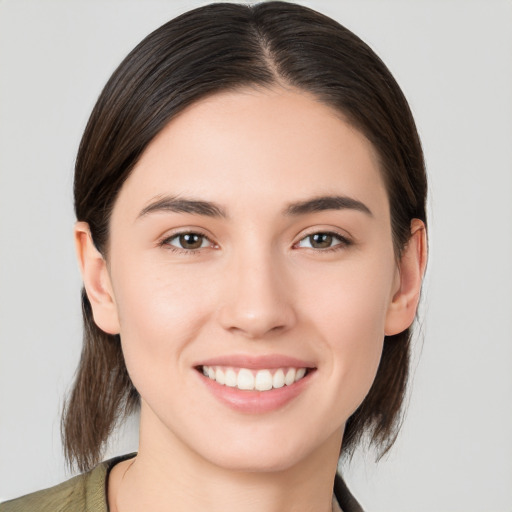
{"x": 257, "y": 301}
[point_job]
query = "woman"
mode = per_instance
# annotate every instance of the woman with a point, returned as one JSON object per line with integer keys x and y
{"x": 250, "y": 195}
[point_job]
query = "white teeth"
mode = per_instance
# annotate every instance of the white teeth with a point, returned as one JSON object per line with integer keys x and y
{"x": 263, "y": 381}
{"x": 219, "y": 376}
{"x": 249, "y": 380}
{"x": 278, "y": 379}
{"x": 245, "y": 379}
{"x": 230, "y": 378}
{"x": 290, "y": 377}
{"x": 300, "y": 373}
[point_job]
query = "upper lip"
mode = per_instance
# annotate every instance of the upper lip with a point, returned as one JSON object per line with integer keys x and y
{"x": 267, "y": 361}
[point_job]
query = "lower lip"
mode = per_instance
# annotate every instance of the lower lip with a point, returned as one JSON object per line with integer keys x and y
{"x": 255, "y": 402}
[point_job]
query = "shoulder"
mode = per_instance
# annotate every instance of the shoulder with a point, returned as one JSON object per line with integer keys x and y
{"x": 83, "y": 493}
{"x": 69, "y": 496}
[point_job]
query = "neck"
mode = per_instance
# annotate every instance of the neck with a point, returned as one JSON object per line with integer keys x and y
{"x": 167, "y": 475}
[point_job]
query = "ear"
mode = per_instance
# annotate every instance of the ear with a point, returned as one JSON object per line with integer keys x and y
{"x": 96, "y": 280}
{"x": 402, "y": 309}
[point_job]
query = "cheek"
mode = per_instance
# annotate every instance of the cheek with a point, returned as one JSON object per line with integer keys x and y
{"x": 160, "y": 312}
{"x": 348, "y": 311}
{"x": 349, "y": 301}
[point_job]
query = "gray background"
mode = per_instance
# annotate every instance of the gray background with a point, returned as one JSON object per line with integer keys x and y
{"x": 454, "y": 62}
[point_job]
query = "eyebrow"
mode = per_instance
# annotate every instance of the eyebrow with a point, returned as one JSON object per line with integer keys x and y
{"x": 322, "y": 203}
{"x": 210, "y": 209}
{"x": 181, "y": 205}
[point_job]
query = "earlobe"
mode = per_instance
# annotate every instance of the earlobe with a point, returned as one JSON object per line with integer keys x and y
{"x": 403, "y": 306}
{"x": 96, "y": 280}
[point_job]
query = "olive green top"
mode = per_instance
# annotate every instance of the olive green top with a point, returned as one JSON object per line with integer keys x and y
{"x": 88, "y": 493}
{"x": 83, "y": 493}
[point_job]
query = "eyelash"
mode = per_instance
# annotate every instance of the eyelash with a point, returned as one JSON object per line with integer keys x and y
{"x": 166, "y": 243}
{"x": 344, "y": 242}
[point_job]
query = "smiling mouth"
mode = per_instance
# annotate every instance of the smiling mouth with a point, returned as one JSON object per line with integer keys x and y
{"x": 254, "y": 380}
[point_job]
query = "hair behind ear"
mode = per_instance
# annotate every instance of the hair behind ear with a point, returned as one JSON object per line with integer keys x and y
{"x": 102, "y": 394}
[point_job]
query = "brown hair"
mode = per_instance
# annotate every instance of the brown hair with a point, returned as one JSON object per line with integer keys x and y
{"x": 210, "y": 49}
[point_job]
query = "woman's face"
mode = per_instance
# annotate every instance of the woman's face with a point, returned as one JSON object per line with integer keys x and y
{"x": 252, "y": 243}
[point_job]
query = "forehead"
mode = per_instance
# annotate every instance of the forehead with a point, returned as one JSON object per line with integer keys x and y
{"x": 257, "y": 147}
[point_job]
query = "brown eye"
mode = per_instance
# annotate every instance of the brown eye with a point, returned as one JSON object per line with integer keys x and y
{"x": 323, "y": 240}
{"x": 188, "y": 241}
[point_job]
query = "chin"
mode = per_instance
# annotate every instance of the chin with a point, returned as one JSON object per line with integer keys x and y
{"x": 264, "y": 461}
{"x": 272, "y": 454}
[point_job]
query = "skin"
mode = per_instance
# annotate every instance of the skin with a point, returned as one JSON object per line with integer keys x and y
{"x": 258, "y": 285}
